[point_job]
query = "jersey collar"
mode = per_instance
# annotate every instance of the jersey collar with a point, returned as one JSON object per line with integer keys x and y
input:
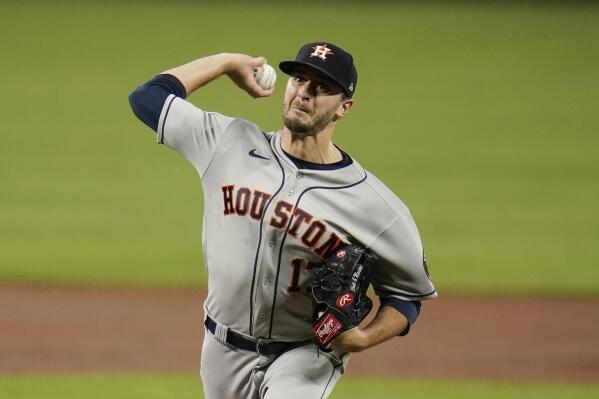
{"x": 342, "y": 172}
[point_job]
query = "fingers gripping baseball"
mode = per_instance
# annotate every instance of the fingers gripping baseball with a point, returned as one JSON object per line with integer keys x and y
{"x": 242, "y": 71}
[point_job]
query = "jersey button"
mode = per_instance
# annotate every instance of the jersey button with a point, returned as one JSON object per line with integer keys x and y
{"x": 266, "y": 281}
{"x": 299, "y": 175}
{"x": 261, "y": 315}
{"x": 271, "y": 244}
{"x": 290, "y": 193}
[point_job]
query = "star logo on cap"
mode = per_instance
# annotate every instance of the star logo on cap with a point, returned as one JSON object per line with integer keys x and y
{"x": 322, "y": 52}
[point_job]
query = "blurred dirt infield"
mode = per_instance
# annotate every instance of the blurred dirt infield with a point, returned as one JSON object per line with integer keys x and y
{"x": 58, "y": 329}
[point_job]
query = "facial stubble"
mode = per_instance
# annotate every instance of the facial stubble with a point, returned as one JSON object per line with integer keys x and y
{"x": 319, "y": 121}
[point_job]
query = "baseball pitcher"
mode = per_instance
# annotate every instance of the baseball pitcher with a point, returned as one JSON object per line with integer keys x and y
{"x": 295, "y": 230}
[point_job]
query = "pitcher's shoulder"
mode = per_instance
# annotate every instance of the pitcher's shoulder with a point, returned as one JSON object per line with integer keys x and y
{"x": 382, "y": 196}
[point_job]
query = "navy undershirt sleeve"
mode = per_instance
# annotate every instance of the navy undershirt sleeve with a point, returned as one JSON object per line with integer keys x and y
{"x": 147, "y": 100}
{"x": 410, "y": 309}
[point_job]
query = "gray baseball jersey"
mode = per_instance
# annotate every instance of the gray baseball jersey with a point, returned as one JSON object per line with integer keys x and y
{"x": 267, "y": 223}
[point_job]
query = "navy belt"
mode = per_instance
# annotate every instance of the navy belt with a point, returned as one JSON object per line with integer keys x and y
{"x": 266, "y": 348}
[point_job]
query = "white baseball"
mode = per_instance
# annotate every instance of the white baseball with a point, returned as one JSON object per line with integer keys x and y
{"x": 265, "y": 76}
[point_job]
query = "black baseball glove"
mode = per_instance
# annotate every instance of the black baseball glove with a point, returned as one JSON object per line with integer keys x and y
{"x": 339, "y": 300}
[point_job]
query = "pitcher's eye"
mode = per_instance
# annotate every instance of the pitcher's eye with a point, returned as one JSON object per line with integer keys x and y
{"x": 298, "y": 78}
{"x": 323, "y": 88}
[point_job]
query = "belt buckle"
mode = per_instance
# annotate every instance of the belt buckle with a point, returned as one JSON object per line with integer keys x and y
{"x": 268, "y": 348}
{"x": 261, "y": 346}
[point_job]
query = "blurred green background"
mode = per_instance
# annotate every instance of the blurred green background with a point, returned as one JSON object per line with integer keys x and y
{"x": 159, "y": 386}
{"x": 482, "y": 116}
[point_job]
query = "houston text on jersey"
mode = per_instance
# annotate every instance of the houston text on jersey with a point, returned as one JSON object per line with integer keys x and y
{"x": 312, "y": 232}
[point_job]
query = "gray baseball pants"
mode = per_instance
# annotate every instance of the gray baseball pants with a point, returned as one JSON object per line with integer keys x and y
{"x": 300, "y": 373}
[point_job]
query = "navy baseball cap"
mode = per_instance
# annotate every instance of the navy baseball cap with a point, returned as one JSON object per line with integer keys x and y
{"x": 328, "y": 59}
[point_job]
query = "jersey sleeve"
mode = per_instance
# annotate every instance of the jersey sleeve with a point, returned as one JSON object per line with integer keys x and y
{"x": 191, "y": 131}
{"x": 148, "y": 99}
{"x": 160, "y": 104}
{"x": 400, "y": 270}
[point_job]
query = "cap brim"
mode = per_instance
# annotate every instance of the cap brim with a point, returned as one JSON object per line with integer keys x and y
{"x": 289, "y": 66}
